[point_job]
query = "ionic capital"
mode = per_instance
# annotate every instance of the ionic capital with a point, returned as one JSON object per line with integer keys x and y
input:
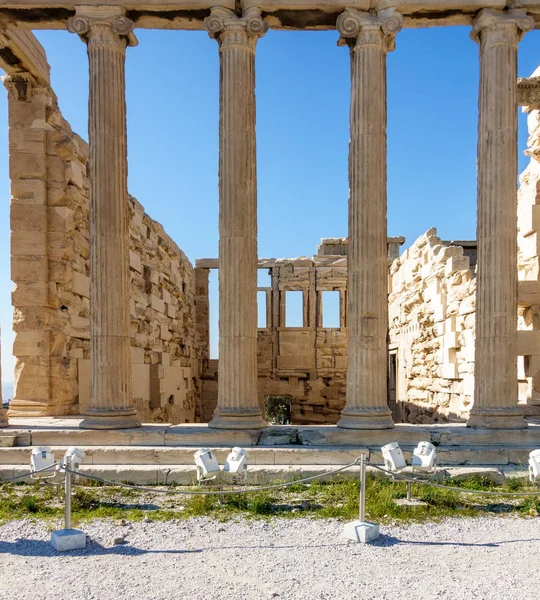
{"x": 224, "y": 23}
{"x": 492, "y": 21}
{"x": 90, "y": 21}
{"x": 366, "y": 28}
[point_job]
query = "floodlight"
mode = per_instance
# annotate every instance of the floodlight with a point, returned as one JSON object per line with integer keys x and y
{"x": 207, "y": 464}
{"x": 76, "y": 455}
{"x": 534, "y": 466}
{"x": 42, "y": 459}
{"x": 393, "y": 457}
{"x": 237, "y": 462}
{"x": 424, "y": 458}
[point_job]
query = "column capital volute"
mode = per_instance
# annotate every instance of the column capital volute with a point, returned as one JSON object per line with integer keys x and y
{"x": 88, "y": 18}
{"x": 352, "y": 23}
{"x": 497, "y": 20}
{"x": 222, "y": 19}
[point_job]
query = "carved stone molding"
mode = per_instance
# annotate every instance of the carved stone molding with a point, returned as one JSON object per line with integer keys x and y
{"x": 19, "y": 86}
{"x": 528, "y": 91}
{"x": 353, "y": 23}
{"x": 245, "y": 29}
{"x": 499, "y": 21}
{"x": 102, "y": 18}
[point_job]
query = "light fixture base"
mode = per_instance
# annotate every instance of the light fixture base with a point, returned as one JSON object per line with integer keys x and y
{"x": 361, "y": 531}
{"x": 68, "y": 539}
{"x": 411, "y": 502}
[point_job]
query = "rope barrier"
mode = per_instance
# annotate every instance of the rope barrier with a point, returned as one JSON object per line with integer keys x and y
{"x": 213, "y": 492}
{"x": 10, "y": 479}
{"x": 406, "y": 479}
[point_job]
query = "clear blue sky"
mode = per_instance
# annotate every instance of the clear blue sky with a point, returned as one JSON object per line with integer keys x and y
{"x": 302, "y": 129}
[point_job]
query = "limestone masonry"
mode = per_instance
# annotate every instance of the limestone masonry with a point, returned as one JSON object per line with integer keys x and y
{"x": 112, "y": 320}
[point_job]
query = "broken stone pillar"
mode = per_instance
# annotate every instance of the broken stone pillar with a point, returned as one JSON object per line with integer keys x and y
{"x": 107, "y": 32}
{"x": 238, "y": 406}
{"x": 369, "y": 38}
{"x": 496, "y": 385}
{"x": 28, "y": 102}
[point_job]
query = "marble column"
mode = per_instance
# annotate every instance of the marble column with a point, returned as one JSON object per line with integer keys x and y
{"x": 496, "y": 384}
{"x": 107, "y": 32}
{"x": 237, "y": 406}
{"x": 369, "y": 38}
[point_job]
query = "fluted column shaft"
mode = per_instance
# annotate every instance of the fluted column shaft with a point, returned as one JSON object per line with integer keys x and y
{"x": 496, "y": 385}
{"x": 237, "y": 406}
{"x": 369, "y": 38}
{"x": 107, "y": 32}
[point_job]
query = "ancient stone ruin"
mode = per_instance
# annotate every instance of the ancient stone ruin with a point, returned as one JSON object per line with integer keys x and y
{"x": 112, "y": 319}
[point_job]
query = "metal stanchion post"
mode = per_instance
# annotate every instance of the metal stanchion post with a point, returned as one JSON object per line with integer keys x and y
{"x": 362, "y": 488}
{"x": 67, "y": 488}
{"x": 361, "y": 530}
{"x": 68, "y": 538}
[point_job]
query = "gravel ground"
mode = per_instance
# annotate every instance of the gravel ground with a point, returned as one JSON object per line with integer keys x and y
{"x": 201, "y": 559}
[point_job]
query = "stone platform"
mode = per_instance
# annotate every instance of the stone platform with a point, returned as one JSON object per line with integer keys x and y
{"x": 160, "y": 453}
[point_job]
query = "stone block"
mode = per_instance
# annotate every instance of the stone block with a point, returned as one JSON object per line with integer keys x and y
{"x": 157, "y": 304}
{"x": 137, "y": 355}
{"x": 31, "y": 141}
{"x": 29, "y": 191}
{"x": 28, "y": 268}
{"x": 30, "y": 294}
{"x": 528, "y": 343}
{"x": 27, "y": 165}
{"x": 135, "y": 261}
{"x": 80, "y": 284}
{"x": 29, "y": 243}
{"x": 63, "y": 540}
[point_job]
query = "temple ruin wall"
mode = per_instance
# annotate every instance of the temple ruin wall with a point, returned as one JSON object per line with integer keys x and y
{"x": 50, "y": 270}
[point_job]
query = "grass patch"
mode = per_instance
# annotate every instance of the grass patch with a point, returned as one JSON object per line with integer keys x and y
{"x": 337, "y": 499}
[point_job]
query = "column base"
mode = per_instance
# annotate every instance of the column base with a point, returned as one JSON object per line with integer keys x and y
{"x": 28, "y": 408}
{"x": 497, "y": 418}
{"x": 3, "y": 418}
{"x": 366, "y": 418}
{"x": 237, "y": 419}
{"x": 110, "y": 419}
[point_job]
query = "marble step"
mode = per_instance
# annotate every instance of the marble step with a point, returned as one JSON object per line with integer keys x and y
{"x": 65, "y": 432}
{"x": 283, "y": 456}
{"x": 257, "y": 474}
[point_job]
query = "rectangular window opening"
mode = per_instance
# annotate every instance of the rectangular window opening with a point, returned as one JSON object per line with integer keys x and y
{"x": 330, "y": 309}
{"x": 294, "y": 308}
{"x": 264, "y": 279}
{"x": 261, "y": 310}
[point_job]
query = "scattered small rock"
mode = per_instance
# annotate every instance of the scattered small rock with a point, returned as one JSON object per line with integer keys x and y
{"x": 148, "y": 520}
{"x": 122, "y": 522}
{"x": 118, "y": 541}
{"x": 305, "y": 505}
{"x": 221, "y": 530}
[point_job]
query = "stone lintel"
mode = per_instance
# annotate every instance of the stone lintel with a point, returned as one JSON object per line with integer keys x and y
{"x": 280, "y": 14}
{"x": 20, "y": 51}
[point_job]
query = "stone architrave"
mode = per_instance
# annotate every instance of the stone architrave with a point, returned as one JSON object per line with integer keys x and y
{"x": 496, "y": 384}
{"x": 237, "y": 405}
{"x": 369, "y": 38}
{"x": 107, "y": 32}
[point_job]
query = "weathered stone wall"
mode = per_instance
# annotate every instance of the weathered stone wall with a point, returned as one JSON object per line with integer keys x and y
{"x": 307, "y": 363}
{"x": 431, "y": 319}
{"x": 529, "y": 264}
{"x": 50, "y": 269}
